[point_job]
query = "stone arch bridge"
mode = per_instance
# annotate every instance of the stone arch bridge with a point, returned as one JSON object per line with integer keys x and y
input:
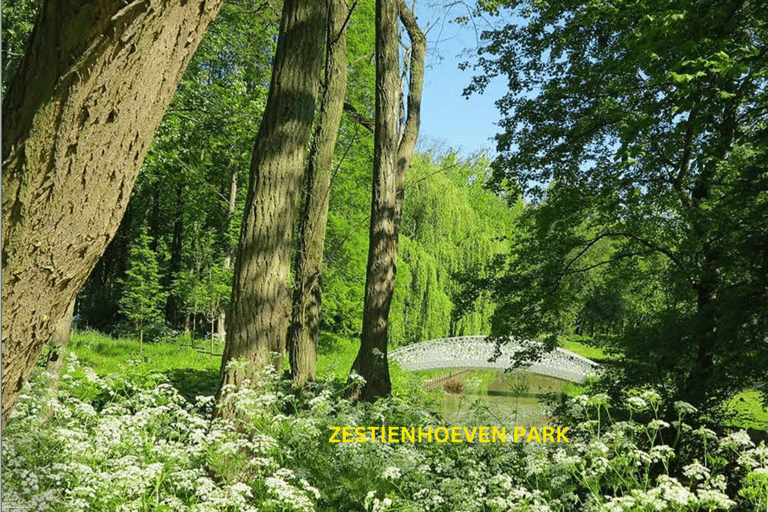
{"x": 475, "y": 352}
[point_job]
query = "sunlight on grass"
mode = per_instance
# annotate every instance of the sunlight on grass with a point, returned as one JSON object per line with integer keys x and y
{"x": 339, "y": 362}
{"x": 108, "y": 355}
{"x": 585, "y": 350}
{"x": 750, "y": 412}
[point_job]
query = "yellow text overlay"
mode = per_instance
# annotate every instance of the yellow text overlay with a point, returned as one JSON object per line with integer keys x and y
{"x": 447, "y": 435}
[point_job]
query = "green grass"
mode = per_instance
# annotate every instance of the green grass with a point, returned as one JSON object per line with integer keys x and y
{"x": 109, "y": 355}
{"x": 585, "y": 350}
{"x": 338, "y": 362}
{"x": 750, "y": 412}
{"x": 191, "y": 372}
{"x": 195, "y": 373}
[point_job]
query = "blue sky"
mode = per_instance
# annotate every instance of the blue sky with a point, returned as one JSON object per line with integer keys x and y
{"x": 447, "y": 118}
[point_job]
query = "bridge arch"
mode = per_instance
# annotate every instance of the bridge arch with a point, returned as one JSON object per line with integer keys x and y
{"x": 475, "y": 352}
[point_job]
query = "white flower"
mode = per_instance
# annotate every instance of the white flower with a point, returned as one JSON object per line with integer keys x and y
{"x": 696, "y": 471}
{"x": 635, "y": 402}
{"x": 504, "y": 481}
{"x": 599, "y": 446}
{"x": 684, "y": 408}
{"x": 736, "y": 441}
{"x": 657, "y": 424}
{"x": 355, "y": 379}
{"x": 661, "y": 453}
{"x": 392, "y": 473}
{"x": 600, "y": 465}
{"x": 651, "y": 397}
{"x": 581, "y": 400}
{"x": 707, "y": 433}
{"x": 714, "y": 499}
{"x": 620, "y": 504}
{"x": 672, "y": 491}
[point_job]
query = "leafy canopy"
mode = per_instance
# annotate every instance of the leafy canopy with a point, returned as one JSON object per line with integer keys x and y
{"x": 637, "y": 132}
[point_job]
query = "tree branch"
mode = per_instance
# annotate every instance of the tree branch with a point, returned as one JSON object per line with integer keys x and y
{"x": 358, "y": 117}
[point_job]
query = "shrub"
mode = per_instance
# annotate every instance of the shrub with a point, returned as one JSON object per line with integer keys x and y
{"x": 453, "y": 386}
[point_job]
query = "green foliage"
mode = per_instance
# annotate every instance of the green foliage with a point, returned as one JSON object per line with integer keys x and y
{"x": 451, "y": 225}
{"x": 204, "y": 144}
{"x": 18, "y": 21}
{"x": 134, "y": 442}
{"x": 143, "y": 299}
{"x": 206, "y": 290}
{"x": 636, "y": 132}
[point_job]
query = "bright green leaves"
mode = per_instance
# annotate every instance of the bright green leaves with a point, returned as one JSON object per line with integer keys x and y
{"x": 143, "y": 298}
{"x": 627, "y": 125}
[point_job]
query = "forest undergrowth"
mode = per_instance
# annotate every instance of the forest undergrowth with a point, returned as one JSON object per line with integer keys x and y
{"x": 139, "y": 441}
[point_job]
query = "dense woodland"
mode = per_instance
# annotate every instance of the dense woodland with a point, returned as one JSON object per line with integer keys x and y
{"x": 626, "y": 205}
{"x": 188, "y": 202}
{"x": 246, "y": 171}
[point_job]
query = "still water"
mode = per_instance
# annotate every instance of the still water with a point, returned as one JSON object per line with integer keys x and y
{"x": 497, "y": 398}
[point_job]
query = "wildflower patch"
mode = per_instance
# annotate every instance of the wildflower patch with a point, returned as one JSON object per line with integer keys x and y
{"x": 447, "y": 434}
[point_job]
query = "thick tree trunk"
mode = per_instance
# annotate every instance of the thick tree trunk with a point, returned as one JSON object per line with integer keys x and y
{"x": 260, "y": 296}
{"x": 705, "y": 334}
{"x": 89, "y": 95}
{"x": 371, "y": 362}
{"x": 304, "y": 328}
{"x": 386, "y": 211}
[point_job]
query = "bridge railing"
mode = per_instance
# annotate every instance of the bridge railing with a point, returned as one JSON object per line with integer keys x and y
{"x": 476, "y": 352}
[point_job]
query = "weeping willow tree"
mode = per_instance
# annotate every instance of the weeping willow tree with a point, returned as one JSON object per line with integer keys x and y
{"x": 452, "y": 227}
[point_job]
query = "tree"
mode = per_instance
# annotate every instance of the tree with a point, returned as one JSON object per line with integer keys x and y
{"x": 143, "y": 298}
{"x": 18, "y": 21}
{"x": 645, "y": 121}
{"x": 260, "y": 297}
{"x": 79, "y": 114}
{"x": 392, "y": 157}
{"x": 304, "y": 329}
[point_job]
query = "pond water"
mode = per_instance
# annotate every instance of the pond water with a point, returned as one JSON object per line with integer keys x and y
{"x": 497, "y": 398}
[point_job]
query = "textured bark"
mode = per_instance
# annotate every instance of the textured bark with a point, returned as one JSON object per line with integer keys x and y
{"x": 89, "y": 95}
{"x": 391, "y": 162}
{"x": 407, "y": 146}
{"x": 304, "y": 328}
{"x": 371, "y": 361}
{"x": 260, "y": 296}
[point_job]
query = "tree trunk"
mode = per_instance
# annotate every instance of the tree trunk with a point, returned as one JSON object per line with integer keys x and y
{"x": 173, "y": 303}
{"x": 58, "y": 343}
{"x": 83, "y": 106}
{"x": 705, "y": 334}
{"x": 230, "y": 250}
{"x": 698, "y": 383}
{"x": 304, "y": 328}
{"x": 415, "y": 86}
{"x": 371, "y": 361}
{"x": 387, "y": 205}
{"x": 260, "y": 295}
